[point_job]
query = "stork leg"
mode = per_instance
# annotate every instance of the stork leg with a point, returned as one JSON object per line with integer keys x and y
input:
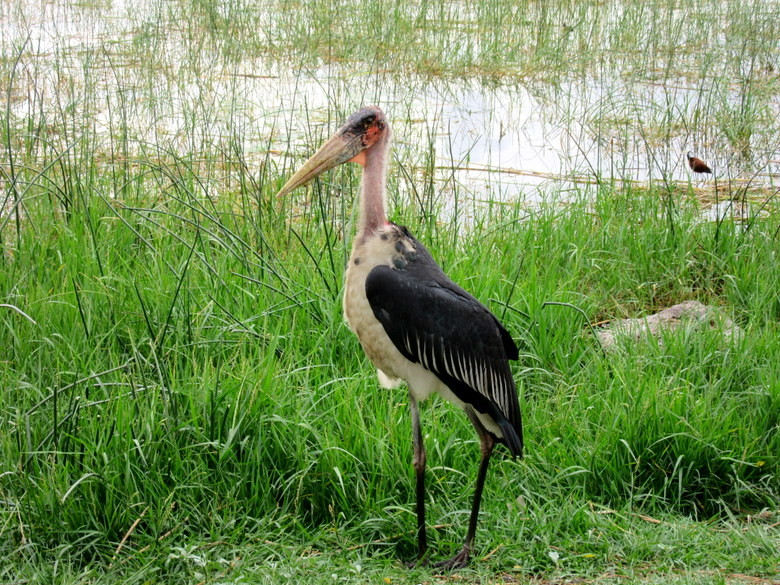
{"x": 419, "y": 471}
{"x": 486, "y": 443}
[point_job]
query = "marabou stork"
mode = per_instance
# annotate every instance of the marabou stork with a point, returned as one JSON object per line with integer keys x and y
{"x": 413, "y": 322}
{"x": 697, "y": 165}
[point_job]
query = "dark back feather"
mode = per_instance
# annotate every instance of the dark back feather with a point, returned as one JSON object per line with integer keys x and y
{"x": 436, "y": 323}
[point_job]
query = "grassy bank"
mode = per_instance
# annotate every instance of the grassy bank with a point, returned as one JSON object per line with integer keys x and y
{"x": 188, "y": 401}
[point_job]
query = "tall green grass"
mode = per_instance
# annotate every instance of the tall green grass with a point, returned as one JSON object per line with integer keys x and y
{"x": 188, "y": 377}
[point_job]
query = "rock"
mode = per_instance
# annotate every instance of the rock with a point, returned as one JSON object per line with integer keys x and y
{"x": 691, "y": 314}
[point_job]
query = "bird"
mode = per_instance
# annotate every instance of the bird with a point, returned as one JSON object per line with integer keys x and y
{"x": 697, "y": 165}
{"x": 414, "y": 323}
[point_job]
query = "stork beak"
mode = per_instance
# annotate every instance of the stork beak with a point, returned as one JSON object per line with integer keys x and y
{"x": 342, "y": 147}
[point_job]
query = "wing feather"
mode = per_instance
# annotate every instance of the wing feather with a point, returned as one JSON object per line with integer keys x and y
{"x": 434, "y": 322}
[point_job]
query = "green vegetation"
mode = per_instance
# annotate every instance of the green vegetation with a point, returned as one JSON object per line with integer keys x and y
{"x": 182, "y": 403}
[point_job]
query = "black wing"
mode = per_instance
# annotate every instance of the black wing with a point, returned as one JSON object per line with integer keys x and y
{"x": 434, "y": 322}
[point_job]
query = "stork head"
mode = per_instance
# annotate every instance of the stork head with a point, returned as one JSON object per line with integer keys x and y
{"x": 689, "y": 155}
{"x": 362, "y": 130}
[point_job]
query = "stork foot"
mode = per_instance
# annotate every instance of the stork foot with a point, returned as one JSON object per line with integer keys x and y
{"x": 459, "y": 561}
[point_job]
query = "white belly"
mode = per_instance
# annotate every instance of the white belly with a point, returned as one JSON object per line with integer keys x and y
{"x": 392, "y": 366}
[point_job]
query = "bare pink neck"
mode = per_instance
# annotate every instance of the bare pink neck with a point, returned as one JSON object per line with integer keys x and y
{"x": 372, "y": 200}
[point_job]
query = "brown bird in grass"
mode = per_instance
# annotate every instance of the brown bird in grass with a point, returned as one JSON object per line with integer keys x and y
{"x": 697, "y": 165}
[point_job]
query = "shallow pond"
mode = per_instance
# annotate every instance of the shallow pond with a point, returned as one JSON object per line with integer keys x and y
{"x": 173, "y": 77}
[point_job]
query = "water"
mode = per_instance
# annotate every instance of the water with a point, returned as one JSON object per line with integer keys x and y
{"x": 143, "y": 72}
